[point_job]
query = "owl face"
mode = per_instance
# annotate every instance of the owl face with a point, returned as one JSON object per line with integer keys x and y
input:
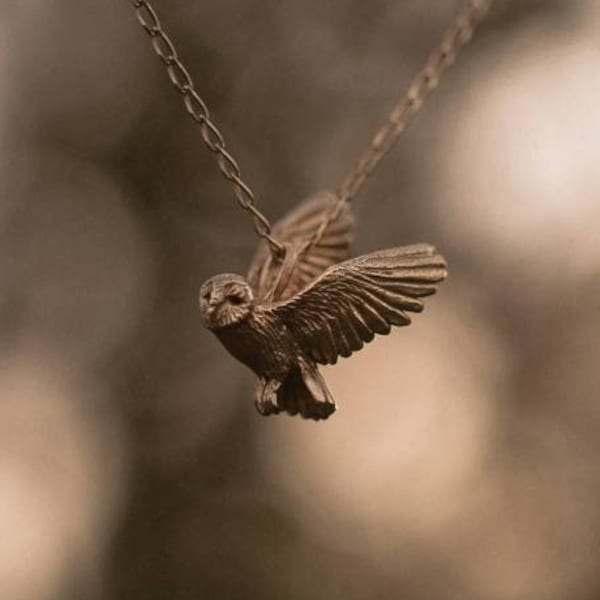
{"x": 225, "y": 300}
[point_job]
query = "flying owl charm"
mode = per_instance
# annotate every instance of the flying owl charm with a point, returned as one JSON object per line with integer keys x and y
{"x": 287, "y": 317}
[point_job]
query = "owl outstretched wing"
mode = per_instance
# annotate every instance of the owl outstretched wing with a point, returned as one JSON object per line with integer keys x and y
{"x": 267, "y": 276}
{"x": 352, "y": 301}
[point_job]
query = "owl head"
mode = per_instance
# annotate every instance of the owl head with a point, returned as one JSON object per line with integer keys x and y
{"x": 225, "y": 299}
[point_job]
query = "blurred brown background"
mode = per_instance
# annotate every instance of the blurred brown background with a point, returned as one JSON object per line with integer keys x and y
{"x": 463, "y": 462}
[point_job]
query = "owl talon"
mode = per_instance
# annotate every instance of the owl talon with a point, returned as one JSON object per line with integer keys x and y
{"x": 266, "y": 408}
{"x": 266, "y": 397}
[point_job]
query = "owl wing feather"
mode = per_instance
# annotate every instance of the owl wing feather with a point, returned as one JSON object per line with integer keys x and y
{"x": 293, "y": 231}
{"x": 352, "y": 301}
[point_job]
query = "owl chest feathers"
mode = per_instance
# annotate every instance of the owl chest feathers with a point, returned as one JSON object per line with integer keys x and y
{"x": 260, "y": 341}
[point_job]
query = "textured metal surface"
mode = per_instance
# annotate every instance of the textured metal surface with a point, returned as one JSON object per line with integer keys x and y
{"x": 283, "y": 330}
{"x": 301, "y": 305}
{"x": 273, "y": 278}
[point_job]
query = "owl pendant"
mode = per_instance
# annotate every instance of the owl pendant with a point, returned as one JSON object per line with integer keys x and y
{"x": 286, "y": 317}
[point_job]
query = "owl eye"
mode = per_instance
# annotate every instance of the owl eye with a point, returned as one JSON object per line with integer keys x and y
{"x": 234, "y": 299}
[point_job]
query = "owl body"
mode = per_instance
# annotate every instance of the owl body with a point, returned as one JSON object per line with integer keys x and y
{"x": 313, "y": 306}
{"x": 260, "y": 341}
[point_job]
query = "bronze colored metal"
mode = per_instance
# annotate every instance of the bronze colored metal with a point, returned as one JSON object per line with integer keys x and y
{"x": 422, "y": 85}
{"x": 312, "y": 306}
{"x": 425, "y": 81}
{"x": 196, "y": 107}
{"x": 303, "y": 303}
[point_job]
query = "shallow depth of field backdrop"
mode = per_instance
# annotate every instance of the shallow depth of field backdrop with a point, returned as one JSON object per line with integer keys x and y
{"x": 463, "y": 462}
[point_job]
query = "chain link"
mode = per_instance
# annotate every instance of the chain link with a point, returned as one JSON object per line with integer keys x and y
{"x": 426, "y": 80}
{"x": 198, "y": 111}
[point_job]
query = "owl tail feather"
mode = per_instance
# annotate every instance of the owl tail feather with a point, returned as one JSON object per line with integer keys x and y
{"x": 305, "y": 392}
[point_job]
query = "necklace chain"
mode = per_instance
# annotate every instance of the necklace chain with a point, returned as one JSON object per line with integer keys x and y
{"x": 198, "y": 111}
{"x": 425, "y": 82}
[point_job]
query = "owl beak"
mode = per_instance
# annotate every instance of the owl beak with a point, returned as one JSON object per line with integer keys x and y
{"x": 209, "y": 299}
